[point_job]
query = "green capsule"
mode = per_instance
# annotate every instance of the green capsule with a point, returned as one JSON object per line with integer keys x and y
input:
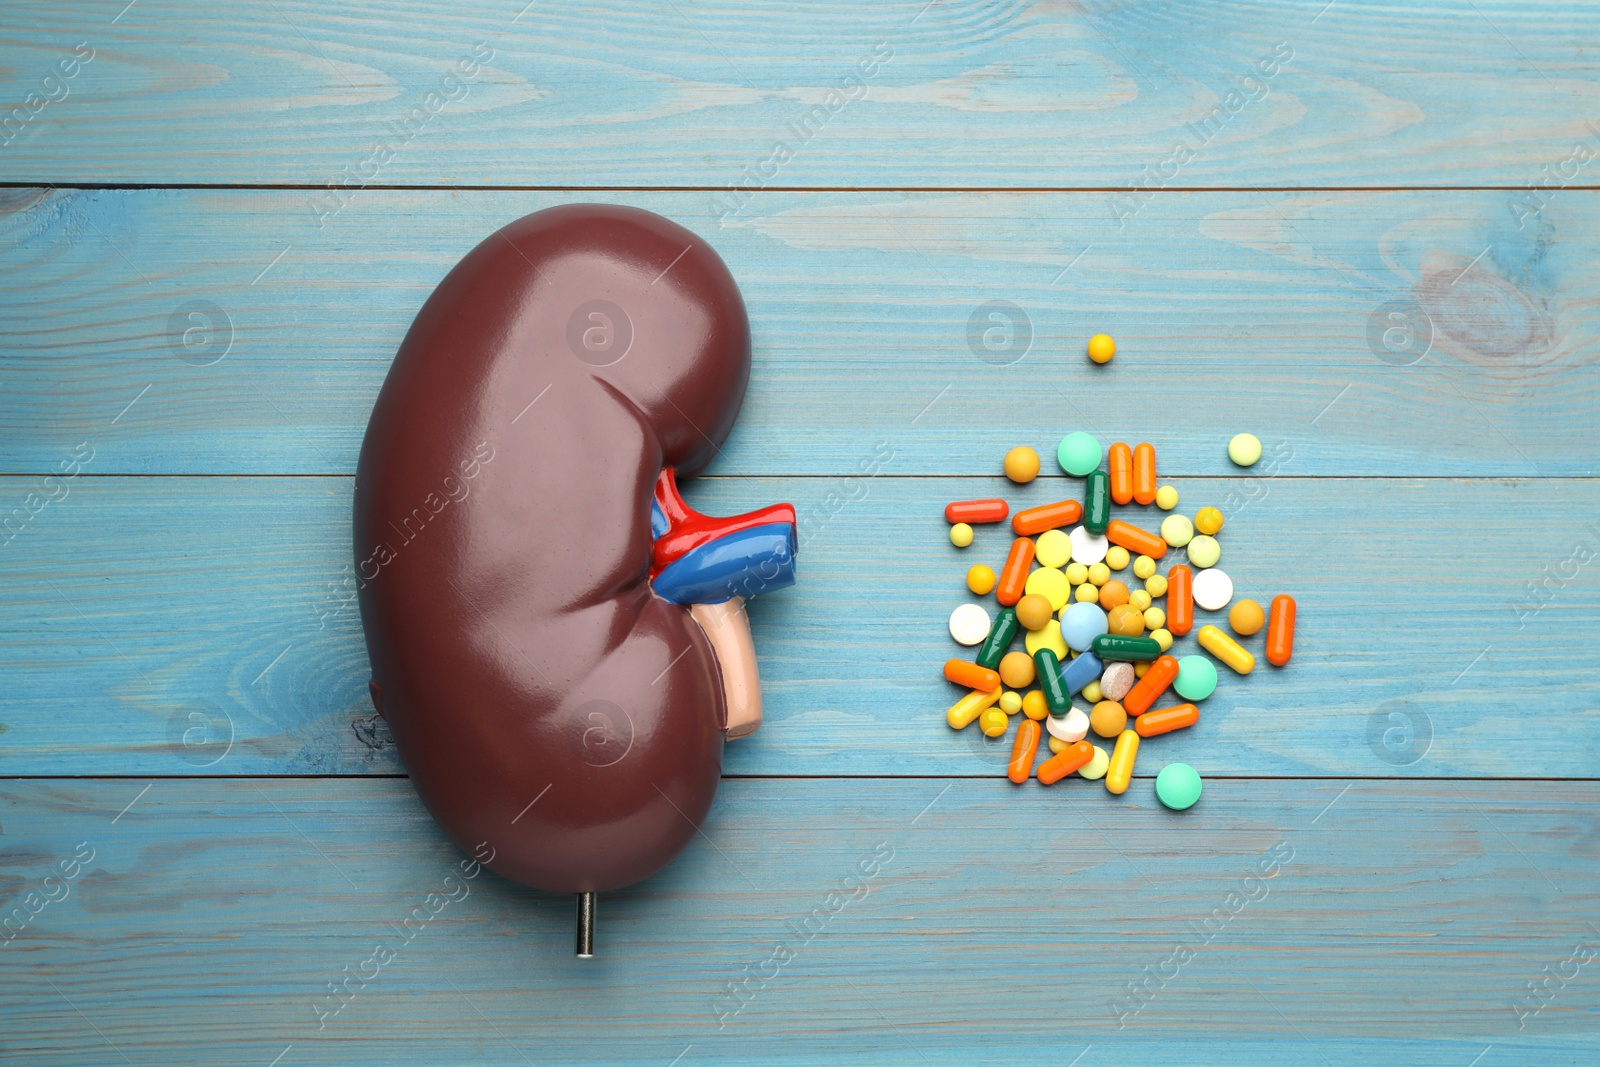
{"x": 1096, "y": 501}
{"x": 1048, "y": 668}
{"x": 1000, "y": 637}
{"x": 1116, "y": 646}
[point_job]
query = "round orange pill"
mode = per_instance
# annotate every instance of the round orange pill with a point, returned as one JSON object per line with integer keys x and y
{"x": 1033, "y": 611}
{"x": 1247, "y": 618}
{"x": 1016, "y": 670}
{"x": 1108, "y": 719}
{"x": 1034, "y": 706}
{"x": 1125, "y": 619}
{"x": 1022, "y": 464}
{"x": 1113, "y": 594}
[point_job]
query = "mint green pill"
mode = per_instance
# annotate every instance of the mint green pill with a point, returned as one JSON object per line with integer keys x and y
{"x": 1178, "y": 786}
{"x": 1204, "y": 551}
{"x": 1078, "y": 453}
{"x": 1197, "y": 678}
{"x": 1244, "y": 449}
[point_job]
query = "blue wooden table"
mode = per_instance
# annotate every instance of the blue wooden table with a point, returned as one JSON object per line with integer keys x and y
{"x": 1367, "y": 232}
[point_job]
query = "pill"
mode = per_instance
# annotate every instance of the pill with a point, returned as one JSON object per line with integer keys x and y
{"x": 980, "y": 579}
{"x": 1244, "y": 449}
{"x": 1066, "y": 761}
{"x": 1119, "y": 461}
{"x": 1056, "y": 696}
{"x": 1102, "y": 348}
{"x": 993, "y": 722}
{"x": 1144, "y": 473}
{"x": 1116, "y": 557}
{"x": 1046, "y": 517}
{"x": 1034, "y": 611}
{"x": 1153, "y": 619}
{"x": 1113, "y": 593}
{"x": 970, "y": 675}
{"x": 1226, "y": 649}
{"x": 1077, "y": 573}
{"x": 1081, "y": 624}
{"x": 1208, "y": 521}
{"x": 1156, "y": 680}
{"x": 1144, "y": 567}
{"x": 1156, "y": 585}
{"x": 1116, "y": 680}
{"x": 1213, "y": 589}
{"x": 1053, "y": 548}
{"x": 1050, "y": 584}
{"x": 1177, "y": 530}
{"x": 1021, "y": 464}
{"x": 1134, "y": 539}
{"x": 1091, "y": 692}
{"x": 1080, "y": 672}
{"x": 969, "y": 624}
{"x": 1086, "y": 593}
{"x": 1096, "y": 501}
{"x": 1247, "y": 618}
{"x": 1023, "y": 750}
{"x": 1016, "y": 670}
{"x": 1010, "y": 702}
{"x": 1140, "y": 667}
{"x": 1166, "y": 498}
{"x": 1033, "y": 705}
{"x": 1139, "y": 598}
{"x": 1014, "y": 575}
{"x": 1055, "y": 744}
{"x": 1049, "y": 636}
{"x": 1204, "y": 551}
{"x": 1116, "y": 646}
{"x": 1119, "y": 772}
{"x": 961, "y": 535}
{"x": 1096, "y": 767}
{"x": 969, "y": 707}
{"x": 1126, "y": 620}
{"x": 1197, "y": 678}
{"x": 1099, "y": 574}
{"x": 1163, "y": 637}
{"x": 1088, "y": 548}
{"x": 1078, "y": 453}
{"x": 1180, "y": 600}
{"x": 1280, "y": 630}
{"x": 1166, "y": 720}
{"x": 976, "y": 511}
{"x": 999, "y": 640}
{"x": 1108, "y": 719}
{"x": 1072, "y": 726}
{"x": 1178, "y": 786}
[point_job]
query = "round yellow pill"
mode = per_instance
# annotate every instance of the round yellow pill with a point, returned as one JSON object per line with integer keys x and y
{"x": 1176, "y": 530}
{"x": 1116, "y": 557}
{"x": 1154, "y": 619}
{"x": 1077, "y": 573}
{"x": 1053, "y": 548}
{"x": 1034, "y": 706}
{"x": 1208, "y": 521}
{"x": 1022, "y": 464}
{"x": 1163, "y": 637}
{"x": 1049, "y": 637}
{"x": 1140, "y": 668}
{"x": 1144, "y": 567}
{"x": 1246, "y": 618}
{"x": 993, "y": 722}
{"x": 1050, "y": 584}
{"x": 1139, "y": 598}
{"x": 1102, "y": 348}
{"x": 1125, "y": 620}
{"x": 1091, "y": 692}
{"x": 1056, "y": 744}
{"x": 1095, "y": 769}
{"x": 1107, "y": 719}
{"x": 1204, "y": 551}
{"x": 1086, "y": 593}
{"x": 1016, "y": 670}
{"x": 1244, "y": 449}
{"x": 1166, "y": 498}
{"x": 1010, "y": 702}
{"x": 961, "y": 535}
{"x": 1156, "y": 585}
{"x": 980, "y": 579}
{"x": 1099, "y": 573}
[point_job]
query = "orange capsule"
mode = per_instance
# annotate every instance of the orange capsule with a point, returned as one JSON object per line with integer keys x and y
{"x": 1063, "y": 763}
{"x": 1046, "y": 517}
{"x": 1144, "y": 472}
{"x": 1166, "y": 720}
{"x": 971, "y": 675}
{"x": 1119, "y": 461}
{"x": 1022, "y": 751}
{"x": 1180, "y": 600}
{"x": 1134, "y": 539}
{"x": 1156, "y": 679}
{"x": 1014, "y": 575}
{"x": 1280, "y": 630}
{"x": 976, "y": 511}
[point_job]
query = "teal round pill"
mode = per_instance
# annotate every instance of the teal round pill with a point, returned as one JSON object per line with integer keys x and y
{"x": 1178, "y": 786}
{"x": 1197, "y": 678}
{"x": 1078, "y": 453}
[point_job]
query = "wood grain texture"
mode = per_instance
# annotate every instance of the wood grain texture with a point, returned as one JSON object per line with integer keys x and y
{"x": 1093, "y": 94}
{"x": 867, "y": 320}
{"x": 136, "y": 604}
{"x": 968, "y": 923}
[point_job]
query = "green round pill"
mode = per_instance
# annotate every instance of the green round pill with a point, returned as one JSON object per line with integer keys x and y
{"x": 1244, "y": 449}
{"x": 1204, "y": 551}
{"x": 1197, "y": 678}
{"x": 1078, "y": 453}
{"x": 1178, "y": 786}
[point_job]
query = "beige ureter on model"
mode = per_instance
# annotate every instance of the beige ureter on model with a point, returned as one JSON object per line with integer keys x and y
{"x": 728, "y": 628}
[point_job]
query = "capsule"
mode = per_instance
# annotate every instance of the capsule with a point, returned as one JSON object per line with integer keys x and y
{"x": 1145, "y": 691}
{"x": 970, "y": 675}
{"x": 1166, "y": 720}
{"x": 1096, "y": 501}
{"x": 1119, "y": 772}
{"x": 1135, "y": 540}
{"x": 1180, "y": 600}
{"x": 1001, "y": 634}
{"x": 976, "y": 511}
{"x": 1080, "y": 672}
{"x": 1226, "y": 649}
{"x": 969, "y": 707}
{"x": 1022, "y": 751}
{"x": 1014, "y": 575}
{"x": 1119, "y": 458}
{"x": 1076, "y": 755}
{"x": 1280, "y": 630}
{"x": 1144, "y": 473}
{"x": 1046, "y": 517}
{"x": 1129, "y": 649}
{"x": 1048, "y": 670}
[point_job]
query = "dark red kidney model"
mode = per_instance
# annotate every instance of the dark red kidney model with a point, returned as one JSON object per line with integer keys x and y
{"x": 558, "y": 642}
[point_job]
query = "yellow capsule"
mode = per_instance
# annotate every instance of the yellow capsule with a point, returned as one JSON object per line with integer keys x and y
{"x": 1077, "y": 573}
{"x": 1091, "y": 692}
{"x": 1116, "y": 557}
{"x": 1163, "y": 637}
{"x": 1010, "y": 702}
{"x": 1099, "y": 573}
{"x": 1034, "y": 706}
{"x": 1166, "y": 498}
{"x": 993, "y": 722}
{"x": 1208, "y": 521}
{"x": 1226, "y": 649}
{"x": 1143, "y": 567}
{"x": 1056, "y": 744}
{"x": 1140, "y": 598}
{"x": 969, "y": 707}
{"x": 1154, "y": 619}
{"x": 1119, "y": 772}
{"x": 1087, "y": 594}
{"x": 1156, "y": 585}
{"x": 961, "y": 535}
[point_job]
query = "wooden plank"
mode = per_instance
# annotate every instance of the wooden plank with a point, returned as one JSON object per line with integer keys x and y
{"x": 870, "y": 326}
{"x": 911, "y": 922}
{"x": 135, "y": 605}
{"x": 900, "y": 94}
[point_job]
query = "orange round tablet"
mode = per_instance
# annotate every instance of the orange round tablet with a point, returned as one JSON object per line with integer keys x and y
{"x": 1016, "y": 670}
{"x": 1247, "y": 618}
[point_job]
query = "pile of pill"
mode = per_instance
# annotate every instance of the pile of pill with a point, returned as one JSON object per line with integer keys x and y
{"x": 1088, "y": 632}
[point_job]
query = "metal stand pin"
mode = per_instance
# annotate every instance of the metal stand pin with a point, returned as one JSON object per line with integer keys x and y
{"x": 586, "y": 926}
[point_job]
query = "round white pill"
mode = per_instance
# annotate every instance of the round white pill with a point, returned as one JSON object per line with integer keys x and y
{"x": 1070, "y": 727}
{"x": 969, "y": 624}
{"x": 1212, "y": 589}
{"x": 1087, "y": 548}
